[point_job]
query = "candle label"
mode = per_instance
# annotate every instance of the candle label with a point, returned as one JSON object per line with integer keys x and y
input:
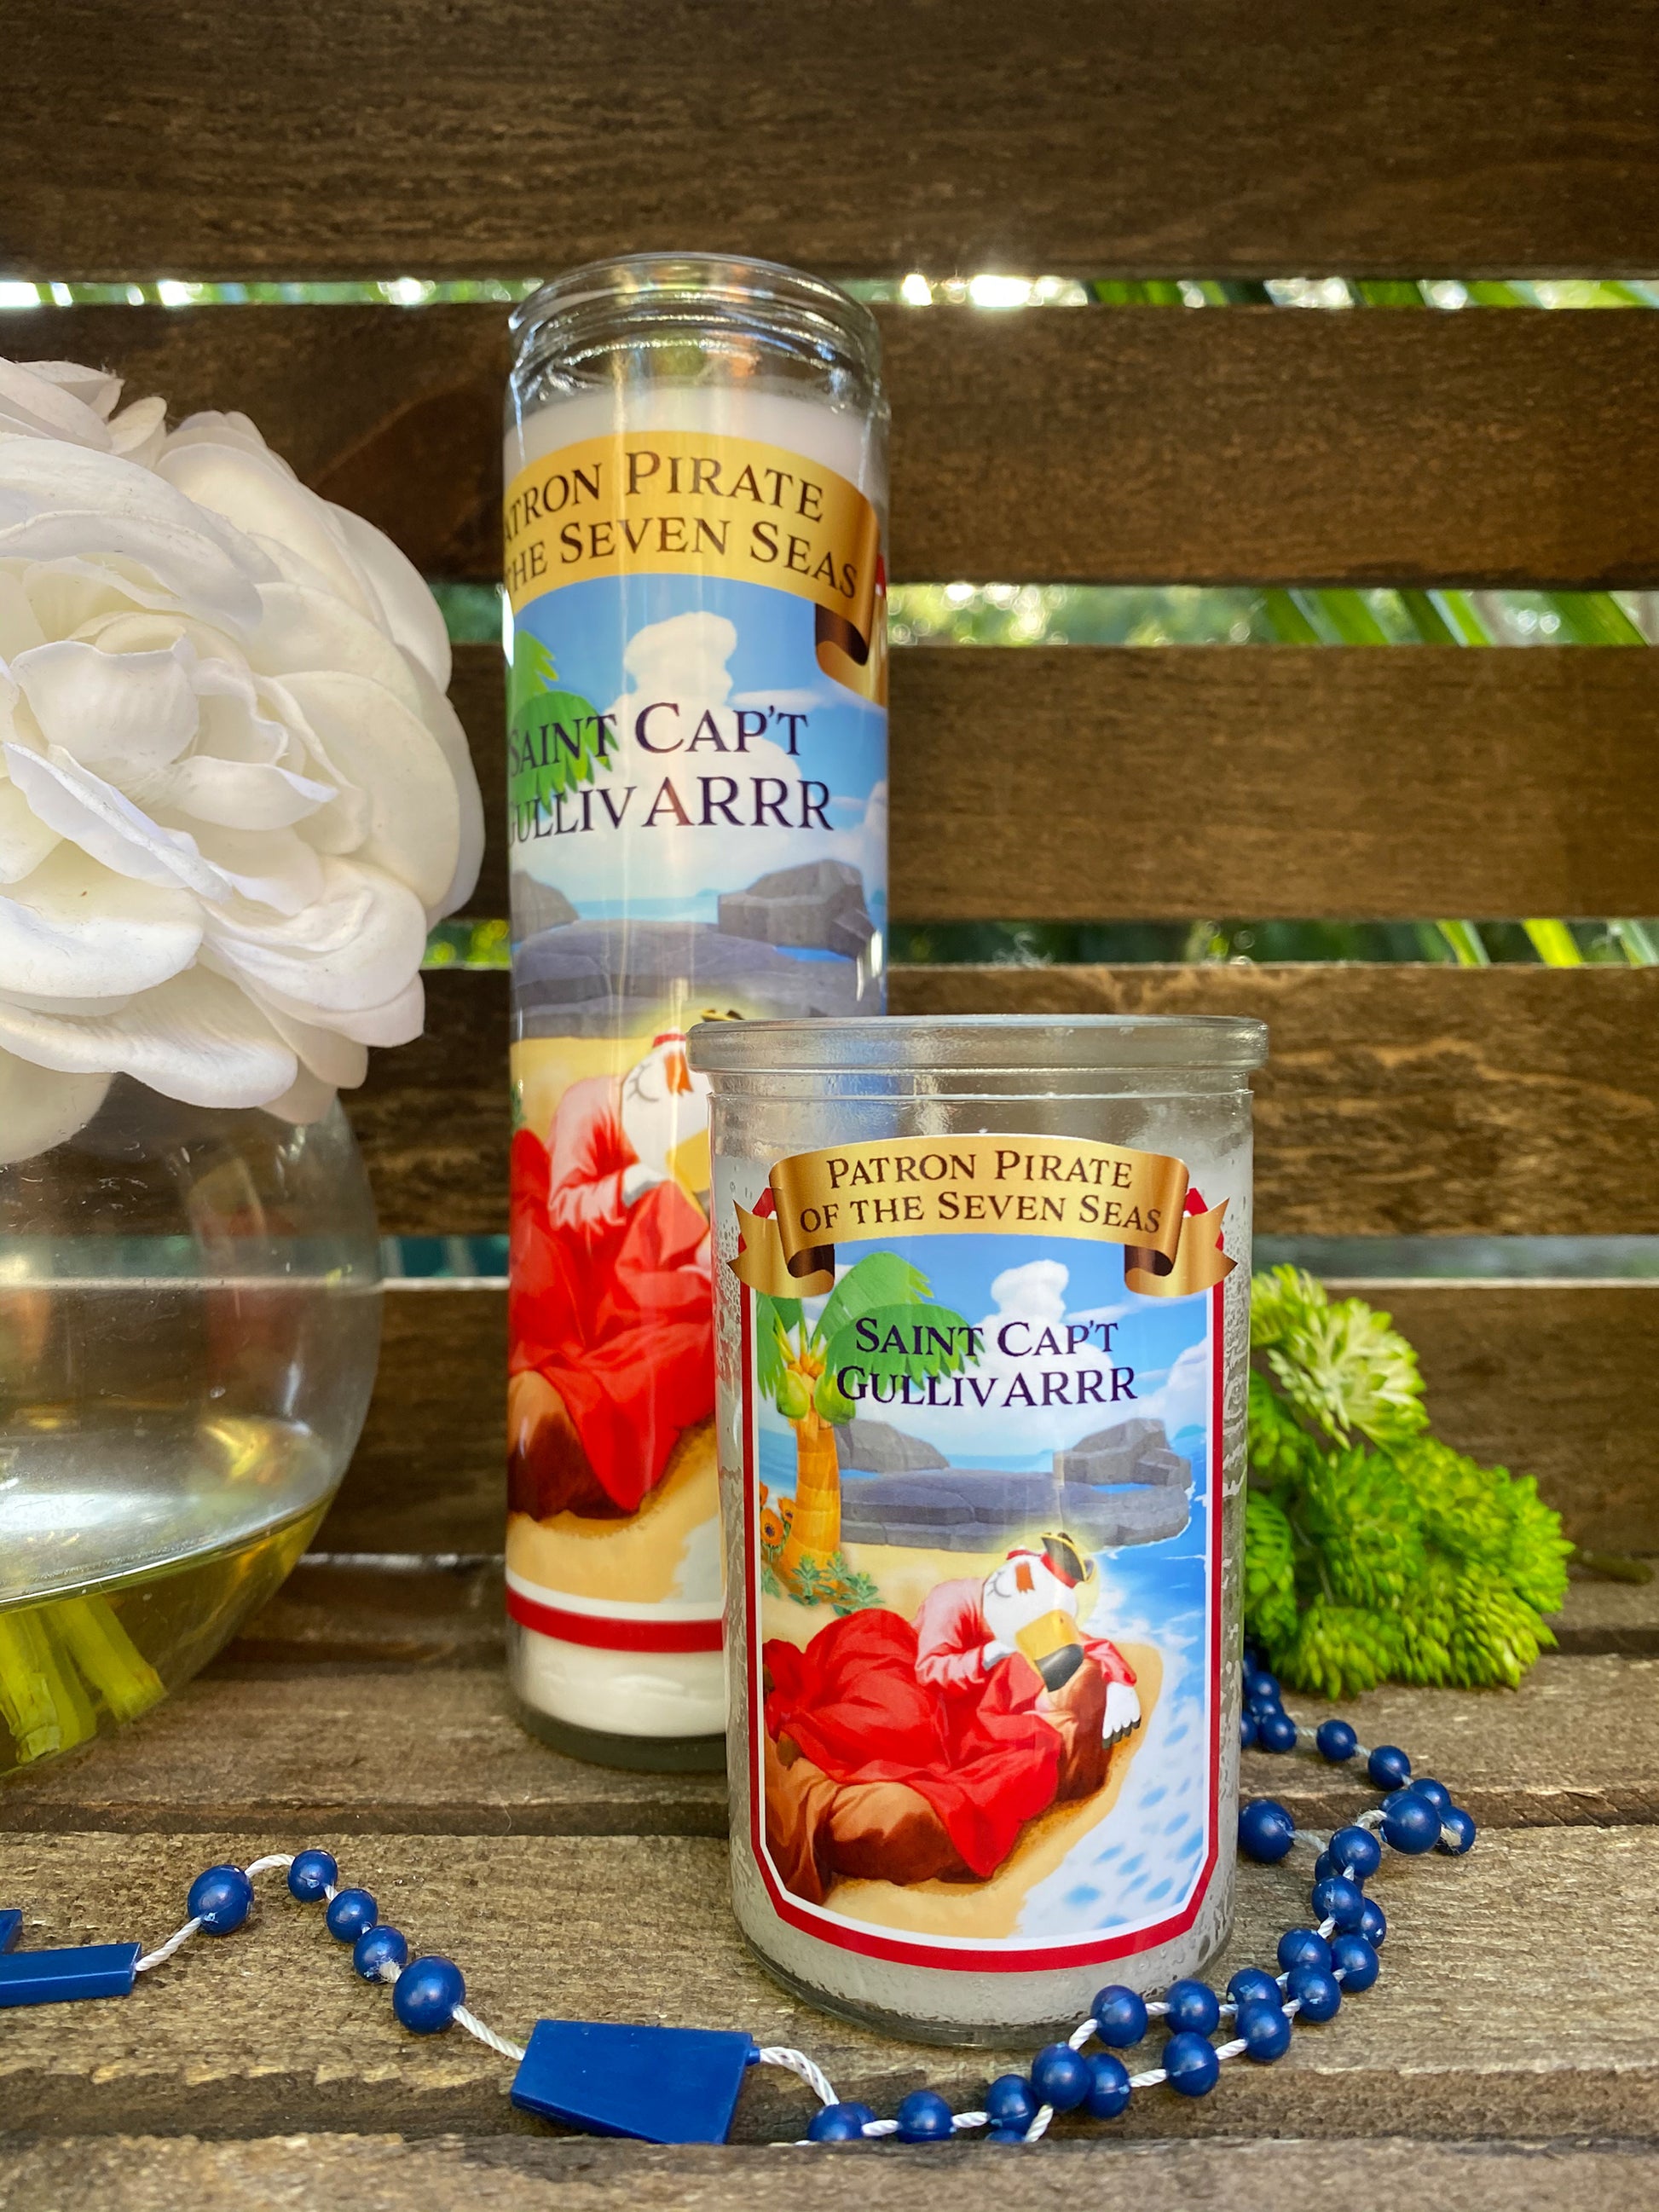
{"x": 981, "y": 1442}
{"x": 696, "y": 792}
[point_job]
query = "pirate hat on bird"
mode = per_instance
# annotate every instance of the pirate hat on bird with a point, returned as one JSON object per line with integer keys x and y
{"x": 1066, "y": 1561}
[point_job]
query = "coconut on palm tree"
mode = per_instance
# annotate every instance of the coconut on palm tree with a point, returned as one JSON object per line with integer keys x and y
{"x": 798, "y": 1365}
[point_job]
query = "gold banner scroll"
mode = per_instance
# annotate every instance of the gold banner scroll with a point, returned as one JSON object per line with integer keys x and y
{"x": 1199, "y": 1263}
{"x": 691, "y": 503}
{"x": 761, "y": 1264}
{"x": 1062, "y": 1187}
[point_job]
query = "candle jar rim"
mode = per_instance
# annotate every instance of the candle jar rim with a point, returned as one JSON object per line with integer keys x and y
{"x": 615, "y": 297}
{"x": 967, "y": 1043}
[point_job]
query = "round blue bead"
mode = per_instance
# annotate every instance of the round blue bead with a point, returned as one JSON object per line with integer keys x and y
{"x": 1389, "y": 1767}
{"x": 1062, "y": 2076}
{"x": 311, "y": 1875}
{"x": 1260, "y": 1688}
{"x": 425, "y": 1994}
{"x": 839, "y": 2124}
{"x": 1319, "y": 1990}
{"x": 1264, "y": 2030}
{"x": 1119, "y": 2017}
{"x": 1437, "y": 1792}
{"x": 1109, "y": 2091}
{"x": 351, "y": 1913}
{"x": 379, "y": 1946}
{"x": 1265, "y": 1831}
{"x": 1011, "y": 2102}
{"x": 1324, "y": 1866}
{"x": 1397, "y": 1796}
{"x": 1356, "y": 1853}
{"x": 1457, "y": 1832}
{"x": 1193, "y": 2005}
{"x": 1339, "y": 1900}
{"x": 1249, "y": 1985}
{"x": 1336, "y": 1741}
{"x": 220, "y": 1898}
{"x": 924, "y": 2117}
{"x": 1004, "y": 2135}
{"x": 1374, "y": 1924}
{"x": 1191, "y": 2064}
{"x": 1304, "y": 1947}
{"x": 1246, "y": 1729}
{"x": 1352, "y": 1957}
{"x": 1275, "y": 1731}
{"x": 1412, "y": 1826}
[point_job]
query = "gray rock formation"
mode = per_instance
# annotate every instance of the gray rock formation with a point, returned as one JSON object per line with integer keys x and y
{"x": 536, "y": 906}
{"x": 878, "y": 1448}
{"x": 597, "y": 978}
{"x": 817, "y": 906}
{"x": 1108, "y": 1455}
{"x": 1121, "y": 1486}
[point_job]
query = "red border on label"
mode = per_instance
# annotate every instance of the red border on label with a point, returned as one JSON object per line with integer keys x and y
{"x": 960, "y": 1958}
{"x": 601, "y": 1633}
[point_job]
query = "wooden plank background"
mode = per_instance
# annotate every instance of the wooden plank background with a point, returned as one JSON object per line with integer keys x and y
{"x": 1069, "y": 446}
{"x": 1072, "y": 782}
{"x": 1473, "y": 2029}
{"x": 1551, "y": 1379}
{"x": 1208, "y": 136}
{"x": 1397, "y": 1100}
{"x": 386, "y": 2173}
{"x": 1576, "y": 1745}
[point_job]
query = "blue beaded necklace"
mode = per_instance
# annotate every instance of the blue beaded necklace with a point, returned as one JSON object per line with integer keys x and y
{"x": 680, "y": 2085}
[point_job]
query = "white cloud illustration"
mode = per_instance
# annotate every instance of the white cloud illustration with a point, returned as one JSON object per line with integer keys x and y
{"x": 720, "y": 760}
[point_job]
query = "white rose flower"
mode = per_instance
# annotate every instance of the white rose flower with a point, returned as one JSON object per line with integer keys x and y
{"x": 233, "y": 797}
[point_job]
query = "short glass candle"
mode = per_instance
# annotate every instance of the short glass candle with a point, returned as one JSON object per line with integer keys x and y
{"x": 982, "y": 1300}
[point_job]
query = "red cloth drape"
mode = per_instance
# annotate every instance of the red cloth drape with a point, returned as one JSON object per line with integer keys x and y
{"x": 853, "y": 1702}
{"x": 611, "y": 1303}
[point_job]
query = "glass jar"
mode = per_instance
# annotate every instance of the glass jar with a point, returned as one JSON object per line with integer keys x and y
{"x": 983, "y": 1335}
{"x": 696, "y": 504}
{"x": 190, "y": 1320}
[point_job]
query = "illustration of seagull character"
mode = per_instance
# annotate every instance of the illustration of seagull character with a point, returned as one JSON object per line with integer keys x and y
{"x": 1029, "y": 1605}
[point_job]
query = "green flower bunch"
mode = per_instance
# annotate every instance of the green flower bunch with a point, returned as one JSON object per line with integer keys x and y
{"x": 1373, "y": 1552}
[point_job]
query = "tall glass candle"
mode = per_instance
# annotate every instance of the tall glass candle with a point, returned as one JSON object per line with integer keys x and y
{"x": 695, "y": 503}
{"x": 983, "y": 1326}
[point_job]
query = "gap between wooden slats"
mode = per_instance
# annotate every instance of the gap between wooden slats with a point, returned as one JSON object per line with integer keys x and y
{"x": 1052, "y": 445}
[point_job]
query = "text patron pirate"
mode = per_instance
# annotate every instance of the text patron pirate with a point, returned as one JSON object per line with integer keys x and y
{"x": 1069, "y": 1187}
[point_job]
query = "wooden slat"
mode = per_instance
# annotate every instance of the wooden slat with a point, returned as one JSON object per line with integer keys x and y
{"x": 1511, "y": 1371}
{"x": 337, "y": 1610}
{"x": 1130, "y": 446}
{"x": 1166, "y": 134}
{"x": 1079, "y": 783}
{"x": 1514, "y": 2001}
{"x": 1398, "y": 1100}
{"x": 525, "y": 2174}
{"x": 280, "y": 1750}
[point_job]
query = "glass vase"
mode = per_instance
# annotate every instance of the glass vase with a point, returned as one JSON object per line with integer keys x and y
{"x": 190, "y": 1321}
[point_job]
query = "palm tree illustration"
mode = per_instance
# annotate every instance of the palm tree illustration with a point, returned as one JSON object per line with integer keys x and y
{"x": 799, "y": 1365}
{"x": 555, "y": 737}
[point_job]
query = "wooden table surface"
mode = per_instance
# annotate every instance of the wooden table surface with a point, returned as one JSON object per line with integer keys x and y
{"x": 1509, "y": 2055}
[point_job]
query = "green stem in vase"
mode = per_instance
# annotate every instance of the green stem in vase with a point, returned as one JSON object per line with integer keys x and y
{"x": 41, "y": 1698}
{"x": 107, "y": 1656}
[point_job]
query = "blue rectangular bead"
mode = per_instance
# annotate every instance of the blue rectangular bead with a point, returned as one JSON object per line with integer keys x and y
{"x": 93, "y": 1970}
{"x": 11, "y": 1924}
{"x": 665, "y": 2085}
